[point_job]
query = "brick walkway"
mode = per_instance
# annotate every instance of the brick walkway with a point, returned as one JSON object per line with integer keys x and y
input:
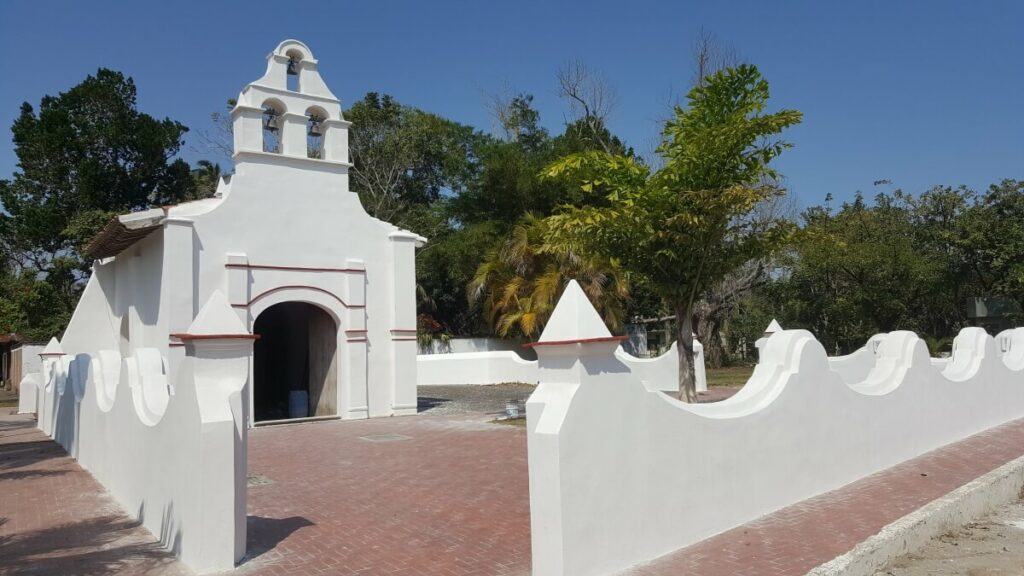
{"x": 795, "y": 539}
{"x": 56, "y": 519}
{"x": 411, "y": 495}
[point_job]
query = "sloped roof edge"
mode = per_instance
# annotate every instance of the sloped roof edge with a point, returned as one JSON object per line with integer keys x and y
{"x": 123, "y": 231}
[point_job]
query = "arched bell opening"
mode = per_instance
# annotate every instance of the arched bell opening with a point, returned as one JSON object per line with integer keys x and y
{"x": 295, "y": 368}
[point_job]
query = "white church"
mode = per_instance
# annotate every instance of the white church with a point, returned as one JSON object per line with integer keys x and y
{"x": 326, "y": 291}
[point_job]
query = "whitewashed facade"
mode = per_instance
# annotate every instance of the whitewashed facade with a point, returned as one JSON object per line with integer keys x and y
{"x": 278, "y": 298}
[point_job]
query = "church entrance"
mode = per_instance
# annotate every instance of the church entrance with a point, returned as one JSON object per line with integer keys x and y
{"x": 295, "y": 368}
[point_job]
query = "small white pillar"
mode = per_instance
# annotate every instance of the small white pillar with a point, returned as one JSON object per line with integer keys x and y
{"x": 353, "y": 402}
{"x": 772, "y": 328}
{"x": 575, "y": 349}
{"x": 218, "y": 349}
{"x": 46, "y": 398}
{"x": 336, "y": 140}
{"x": 293, "y": 134}
{"x": 403, "y": 323}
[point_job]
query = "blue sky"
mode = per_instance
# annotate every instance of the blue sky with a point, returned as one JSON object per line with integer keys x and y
{"x": 920, "y": 93}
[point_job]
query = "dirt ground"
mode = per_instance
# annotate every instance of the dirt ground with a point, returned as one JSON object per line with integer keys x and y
{"x": 990, "y": 547}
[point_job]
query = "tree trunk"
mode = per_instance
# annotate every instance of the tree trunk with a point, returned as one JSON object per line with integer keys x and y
{"x": 709, "y": 332}
{"x": 684, "y": 343}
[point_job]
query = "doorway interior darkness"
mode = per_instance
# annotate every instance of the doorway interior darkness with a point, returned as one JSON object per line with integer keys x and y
{"x": 295, "y": 370}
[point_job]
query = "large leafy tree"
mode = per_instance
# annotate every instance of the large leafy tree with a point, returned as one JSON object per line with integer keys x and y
{"x": 991, "y": 239}
{"x": 405, "y": 158}
{"x": 861, "y": 270}
{"x": 483, "y": 218}
{"x": 686, "y": 225}
{"x": 85, "y": 155}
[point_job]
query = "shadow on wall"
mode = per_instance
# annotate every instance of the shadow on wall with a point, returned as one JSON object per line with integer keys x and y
{"x": 172, "y": 544}
{"x": 264, "y": 534}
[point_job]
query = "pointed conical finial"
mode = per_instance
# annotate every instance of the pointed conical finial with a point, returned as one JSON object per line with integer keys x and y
{"x": 53, "y": 348}
{"x": 773, "y": 327}
{"x": 216, "y": 321}
{"x": 575, "y": 321}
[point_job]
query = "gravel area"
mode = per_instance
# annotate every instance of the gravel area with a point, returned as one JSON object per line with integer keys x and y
{"x": 466, "y": 399}
{"x": 993, "y": 545}
{"x": 490, "y": 400}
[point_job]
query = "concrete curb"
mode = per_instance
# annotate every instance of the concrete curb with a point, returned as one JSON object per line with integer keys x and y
{"x": 967, "y": 503}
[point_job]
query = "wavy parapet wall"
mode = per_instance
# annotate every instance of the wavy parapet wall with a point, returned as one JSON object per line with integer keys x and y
{"x": 171, "y": 449}
{"x": 620, "y": 474}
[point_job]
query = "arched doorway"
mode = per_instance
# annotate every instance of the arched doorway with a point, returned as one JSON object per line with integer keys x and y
{"x": 295, "y": 373}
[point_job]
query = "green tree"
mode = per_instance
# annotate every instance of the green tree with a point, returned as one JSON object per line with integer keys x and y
{"x": 861, "y": 270}
{"x": 405, "y": 157}
{"x": 205, "y": 178}
{"x": 86, "y": 155}
{"x": 991, "y": 238}
{"x": 506, "y": 186}
{"x": 686, "y": 225}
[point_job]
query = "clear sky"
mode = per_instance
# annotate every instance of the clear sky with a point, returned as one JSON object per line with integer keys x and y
{"x": 920, "y": 93}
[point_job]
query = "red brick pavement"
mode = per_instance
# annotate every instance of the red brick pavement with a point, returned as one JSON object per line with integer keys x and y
{"x": 56, "y": 519}
{"x": 795, "y": 539}
{"x": 412, "y": 495}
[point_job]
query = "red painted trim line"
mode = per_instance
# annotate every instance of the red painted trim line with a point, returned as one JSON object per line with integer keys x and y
{"x": 581, "y": 341}
{"x": 293, "y": 268}
{"x": 328, "y": 292}
{"x": 403, "y": 329}
{"x": 187, "y": 337}
{"x": 355, "y": 331}
{"x": 52, "y": 354}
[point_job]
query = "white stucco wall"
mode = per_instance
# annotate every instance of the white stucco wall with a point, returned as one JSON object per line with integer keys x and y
{"x": 483, "y": 368}
{"x": 31, "y": 380}
{"x": 30, "y": 361}
{"x": 620, "y": 475}
{"x": 475, "y": 368}
{"x": 170, "y": 451}
{"x": 478, "y": 344}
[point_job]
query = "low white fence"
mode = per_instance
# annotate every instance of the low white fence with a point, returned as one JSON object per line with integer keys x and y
{"x": 620, "y": 475}
{"x": 497, "y": 367}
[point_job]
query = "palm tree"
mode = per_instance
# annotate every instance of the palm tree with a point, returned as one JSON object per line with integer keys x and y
{"x": 206, "y": 177}
{"x": 521, "y": 279}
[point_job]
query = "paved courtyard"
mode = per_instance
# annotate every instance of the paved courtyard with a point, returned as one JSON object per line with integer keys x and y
{"x": 424, "y": 495}
{"x": 414, "y": 495}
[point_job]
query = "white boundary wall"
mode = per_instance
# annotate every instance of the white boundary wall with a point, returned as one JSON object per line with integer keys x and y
{"x": 172, "y": 454}
{"x": 496, "y": 367}
{"x": 493, "y": 367}
{"x": 620, "y": 475}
